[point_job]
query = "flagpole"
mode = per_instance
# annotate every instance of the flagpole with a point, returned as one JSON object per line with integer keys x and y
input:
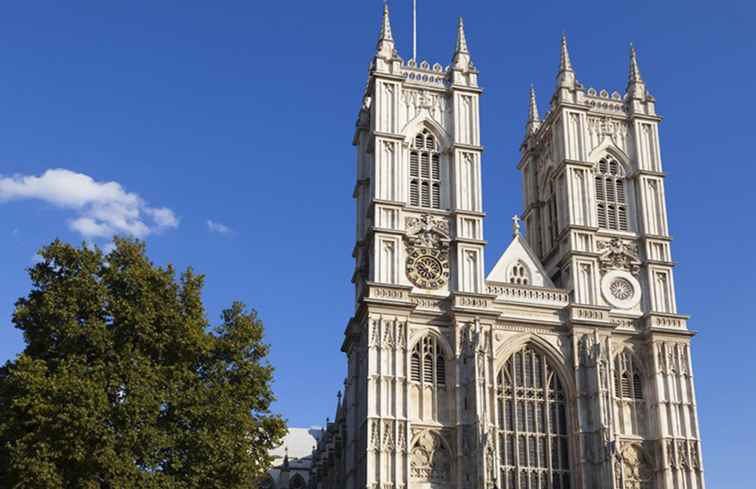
{"x": 414, "y": 30}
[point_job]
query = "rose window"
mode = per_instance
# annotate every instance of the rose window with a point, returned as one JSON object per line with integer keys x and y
{"x": 621, "y": 289}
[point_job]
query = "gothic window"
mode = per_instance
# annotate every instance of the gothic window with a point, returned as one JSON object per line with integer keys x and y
{"x": 425, "y": 171}
{"x": 297, "y": 482}
{"x": 519, "y": 274}
{"x": 427, "y": 363}
{"x": 628, "y": 383}
{"x": 611, "y": 198}
{"x": 533, "y": 431}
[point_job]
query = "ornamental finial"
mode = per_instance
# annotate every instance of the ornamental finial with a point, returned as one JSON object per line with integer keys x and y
{"x": 515, "y": 226}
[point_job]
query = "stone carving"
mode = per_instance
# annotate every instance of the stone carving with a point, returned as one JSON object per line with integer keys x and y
{"x": 427, "y": 251}
{"x": 388, "y": 437}
{"x": 402, "y": 444}
{"x": 388, "y": 337}
{"x": 430, "y": 460}
{"x": 374, "y": 435}
{"x": 636, "y": 467}
{"x": 617, "y": 254}
{"x": 671, "y": 454}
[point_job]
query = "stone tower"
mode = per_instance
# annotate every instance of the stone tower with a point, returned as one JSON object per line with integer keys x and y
{"x": 567, "y": 366}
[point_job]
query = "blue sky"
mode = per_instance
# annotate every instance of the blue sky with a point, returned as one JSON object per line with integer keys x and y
{"x": 227, "y": 127}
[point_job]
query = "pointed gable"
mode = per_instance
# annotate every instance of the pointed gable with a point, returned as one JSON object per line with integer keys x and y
{"x": 519, "y": 265}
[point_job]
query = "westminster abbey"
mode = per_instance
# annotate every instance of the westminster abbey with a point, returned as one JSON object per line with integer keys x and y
{"x": 568, "y": 365}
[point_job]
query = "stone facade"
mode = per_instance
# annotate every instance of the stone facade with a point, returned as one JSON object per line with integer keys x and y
{"x": 568, "y": 366}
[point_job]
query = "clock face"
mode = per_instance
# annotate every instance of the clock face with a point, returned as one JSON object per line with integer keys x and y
{"x": 428, "y": 269}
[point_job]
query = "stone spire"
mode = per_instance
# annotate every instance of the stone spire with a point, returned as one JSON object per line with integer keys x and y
{"x": 461, "y": 59}
{"x": 566, "y": 75}
{"x": 385, "y": 45}
{"x": 636, "y": 87}
{"x": 534, "y": 119}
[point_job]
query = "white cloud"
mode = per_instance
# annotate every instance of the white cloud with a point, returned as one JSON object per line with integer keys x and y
{"x": 217, "y": 227}
{"x": 102, "y": 209}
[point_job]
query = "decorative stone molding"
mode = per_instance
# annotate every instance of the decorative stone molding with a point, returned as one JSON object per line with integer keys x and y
{"x": 582, "y": 314}
{"x": 429, "y": 304}
{"x": 666, "y": 321}
{"x": 475, "y": 301}
{"x": 529, "y": 295}
{"x": 383, "y": 292}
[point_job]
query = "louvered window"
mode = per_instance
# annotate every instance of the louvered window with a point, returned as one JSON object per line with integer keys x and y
{"x": 628, "y": 382}
{"x": 416, "y": 367}
{"x": 427, "y": 364}
{"x": 534, "y": 445}
{"x": 425, "y": 172}
{"x": 611, "y": 198}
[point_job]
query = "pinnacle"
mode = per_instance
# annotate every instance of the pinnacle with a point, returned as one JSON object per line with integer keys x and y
{"x": 386, "y": 34}
{"x": 634, "y": 75}
{"x": 565, "y": 64}
{"x": 461, "y": 38}
{"x": 533, "y": 115}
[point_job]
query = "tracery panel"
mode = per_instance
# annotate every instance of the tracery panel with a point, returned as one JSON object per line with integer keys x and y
{"x": 533, "y": 432}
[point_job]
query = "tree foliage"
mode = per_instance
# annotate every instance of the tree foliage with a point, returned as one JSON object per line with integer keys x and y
{"x": 122, "y": 384}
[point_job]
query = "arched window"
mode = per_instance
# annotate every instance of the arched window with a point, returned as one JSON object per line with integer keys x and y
{"x": 628, "y": 382}
{"x": 425, "y": 171}
{"x": 519, "y": 274}
{"x": 611, "y": 198}
{"x": 427, "y": 364}
{"x": 297, "y": 482}
{"x": 533, "y": 440}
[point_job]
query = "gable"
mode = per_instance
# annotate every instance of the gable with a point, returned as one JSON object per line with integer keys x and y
{"x": 518, "y": 264}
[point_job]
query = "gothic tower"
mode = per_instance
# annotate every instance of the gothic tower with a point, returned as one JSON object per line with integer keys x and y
{"x": 567, "y": 366}
{"x": 596, "y": 216}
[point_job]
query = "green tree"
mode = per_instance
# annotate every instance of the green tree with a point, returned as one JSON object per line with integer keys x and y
{"x": 123, "y": 385}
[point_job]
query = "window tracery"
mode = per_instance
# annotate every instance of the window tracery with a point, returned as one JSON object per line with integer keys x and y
{"x": 533, "y": 439}
{"x": 427, "y": 363}
{"x": 425, "y": 171}
{"x": 519, "y": 274}
{"x": 611, "y": 195}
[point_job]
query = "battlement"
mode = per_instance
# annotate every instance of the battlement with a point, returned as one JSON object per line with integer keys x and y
{"x": 425, "y": 74}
